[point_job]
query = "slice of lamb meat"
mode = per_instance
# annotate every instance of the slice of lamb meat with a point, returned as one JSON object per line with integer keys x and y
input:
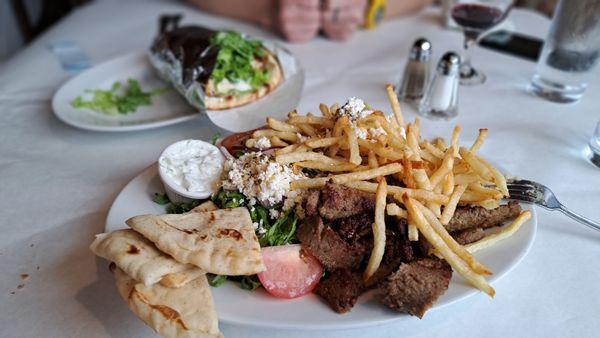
{"x": 338, "y": 201}
{"x": 472, "y": 217}
{"x": 468, "y": 235}
{"x": 416, "y": 285}
{"x": 311, "y": 203}
{"x": 325, "y": 244}
{"x": 340, "y": 289}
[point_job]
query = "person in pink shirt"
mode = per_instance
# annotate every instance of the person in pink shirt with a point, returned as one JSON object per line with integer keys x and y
{"x": 302, "y": 20}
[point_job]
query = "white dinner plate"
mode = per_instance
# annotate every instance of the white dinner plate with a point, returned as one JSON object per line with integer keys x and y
{"x": 169, "y": 107}
{"x": 257, "y": 308}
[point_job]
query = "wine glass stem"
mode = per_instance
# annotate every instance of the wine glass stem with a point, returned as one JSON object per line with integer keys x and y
{"x": 465, "y": 67}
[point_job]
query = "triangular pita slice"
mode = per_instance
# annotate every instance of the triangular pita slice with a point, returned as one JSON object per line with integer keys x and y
{"x": 187, "y": 311}
{"x": 220, "y": 242}
{"x": 141, "y": 260}
{"x": 206, "y": 206}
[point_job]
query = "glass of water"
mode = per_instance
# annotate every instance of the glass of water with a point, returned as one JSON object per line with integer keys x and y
{"x": 571, "y": 51}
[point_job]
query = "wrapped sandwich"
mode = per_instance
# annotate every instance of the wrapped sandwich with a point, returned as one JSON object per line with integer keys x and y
{"x": 214, "y": 70}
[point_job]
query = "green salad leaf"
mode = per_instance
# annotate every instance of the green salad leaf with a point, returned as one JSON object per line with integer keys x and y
{"x": 214, "y": 138}
{"x": 161, "y": 199}
{"x": 215, "y": 280}
{"x": 282, "y": 232}
{"x": 118, "y": 100}
{"x": 234, "y": 61}
{"x": 250, "y": 283}
{"x": 228, "y": 199}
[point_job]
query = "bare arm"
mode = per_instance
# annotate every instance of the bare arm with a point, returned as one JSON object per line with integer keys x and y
{"x": 402, "y": 7}
{"x": 262, "y": 12}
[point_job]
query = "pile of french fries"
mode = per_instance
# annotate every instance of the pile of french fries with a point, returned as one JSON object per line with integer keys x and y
{"x": 425, "y": 180}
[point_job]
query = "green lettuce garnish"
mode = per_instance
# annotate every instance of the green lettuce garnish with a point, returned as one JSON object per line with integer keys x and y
{"x": 118, "y": 100}
{"x": 234, "y": 61}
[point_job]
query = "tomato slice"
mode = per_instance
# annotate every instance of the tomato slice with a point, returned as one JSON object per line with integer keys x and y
{"x": 290, "y": 272}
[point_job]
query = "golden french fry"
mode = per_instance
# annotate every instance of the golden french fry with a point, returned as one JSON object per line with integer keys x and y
{"x": 466, "y": 178}
{"x": 325, "y": 110}
{"x": 472, "y": 197}
{"x": 284, "y": 135}
{"x": 444, "y": 169}
{"x": 458, "y": 249}
{"x": 307, "y": 129}
{"x": 479, "y": 141}
{"x": 395, "y": 138}
{"x": 318, "y": 165}
{"x": 277, "y": 142}
{"x": 393, "y": 209}
{"x": 316, "y": 120}
{"x": 499, "y": 178}
{"x": 448, "y": 184}
{"x": 413, "y": 232}
{"x": 353, "y": 146}
{"x": 378, "y": 231}
{"x": 506, "y": 232}
{"x": 308, "y": 183}
{"x": 385, "y": 152}
{"x": 450, "y": 208}
{"x": 367, "y": 174}
{"x": 489, "y": 192}
{"x": 440, "y": 245}
{"x": 488, "y": 204}
{"x": 433, "y": 150}
{"x": 475, "y": 164}
{"x": 305, "y": 156}
{"x": 322, "y": 142}
{"x": 281, "y": 126}
{"x": 372, "y": 158}
{"x": 334, "y": 108}
{"x": 455, "y": 134}
{"x": 250, "y": 143}
{"x": 393, "y": 98}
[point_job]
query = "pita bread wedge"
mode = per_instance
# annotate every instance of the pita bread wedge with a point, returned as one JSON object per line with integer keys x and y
{"x": 220, "y": 242}
{"x": 206, "y": 206}
{"x": 214, "y": 101}
{"x": 183, "y": 312}
{"x": 141, "y": 260}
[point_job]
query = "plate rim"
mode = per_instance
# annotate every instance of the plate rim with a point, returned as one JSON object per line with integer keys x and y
{"x": 152, "y": 170}
{"x": 100, "y": 128}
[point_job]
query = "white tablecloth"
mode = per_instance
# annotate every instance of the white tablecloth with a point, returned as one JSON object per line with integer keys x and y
{"x": 58, "y": 182}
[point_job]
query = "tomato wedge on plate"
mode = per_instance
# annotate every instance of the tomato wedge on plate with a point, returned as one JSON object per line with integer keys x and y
{"x": 290, "y": 271}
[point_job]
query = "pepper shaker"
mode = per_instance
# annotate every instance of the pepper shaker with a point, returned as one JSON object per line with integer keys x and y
{"x": 416, "y": 73}
{"x": 441, "y": 99}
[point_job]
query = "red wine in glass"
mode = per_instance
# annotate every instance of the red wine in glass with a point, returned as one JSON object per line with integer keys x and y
{"x": 475, "y": 17}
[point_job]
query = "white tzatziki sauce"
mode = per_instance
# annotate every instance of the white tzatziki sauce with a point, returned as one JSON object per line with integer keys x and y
{"x": 193, "y": 165}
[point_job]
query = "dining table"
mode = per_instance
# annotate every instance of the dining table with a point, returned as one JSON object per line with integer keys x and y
{"x": 57, "y": 182}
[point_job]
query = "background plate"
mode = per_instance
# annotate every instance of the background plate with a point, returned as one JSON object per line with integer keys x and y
{"x": 237, "y": 306}
{"x": 170, "y": 107}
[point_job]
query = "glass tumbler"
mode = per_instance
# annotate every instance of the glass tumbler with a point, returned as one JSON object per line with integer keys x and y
{"x": 570, "y": 52}
{"x": 595, "y": 146}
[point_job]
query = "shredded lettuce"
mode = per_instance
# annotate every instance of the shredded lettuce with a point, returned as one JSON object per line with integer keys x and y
{"x": 215, "y": 280}
{"x": 118, "y": 100}
{"x": 234, "y": 61}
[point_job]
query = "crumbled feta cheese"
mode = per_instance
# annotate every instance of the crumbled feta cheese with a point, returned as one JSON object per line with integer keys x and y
{"x": 360, "y": 133}
{"x": 374, "y": 132}
{"x": 260, "y": 178}
{"x": 354, "y": 109}
{"x": 262, "y": 143}
{"x": 274, "y": 213}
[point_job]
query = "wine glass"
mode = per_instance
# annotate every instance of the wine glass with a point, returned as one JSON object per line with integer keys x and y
{"x": 476, "y": 17}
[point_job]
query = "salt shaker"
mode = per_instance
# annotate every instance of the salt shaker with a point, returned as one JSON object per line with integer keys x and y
{"x": 416, "y": 73}
{"x": 441, "y": 99}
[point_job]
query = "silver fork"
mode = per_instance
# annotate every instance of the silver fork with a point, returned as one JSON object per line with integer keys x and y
{"x": 538, "y": 194}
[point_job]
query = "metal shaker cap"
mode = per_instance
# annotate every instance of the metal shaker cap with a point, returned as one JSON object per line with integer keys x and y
{"x": 449, "y": 64}
{"x": 421, "y": 50}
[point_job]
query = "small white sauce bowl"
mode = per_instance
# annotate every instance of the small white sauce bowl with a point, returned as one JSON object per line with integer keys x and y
{"x": 174, "y": 191}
